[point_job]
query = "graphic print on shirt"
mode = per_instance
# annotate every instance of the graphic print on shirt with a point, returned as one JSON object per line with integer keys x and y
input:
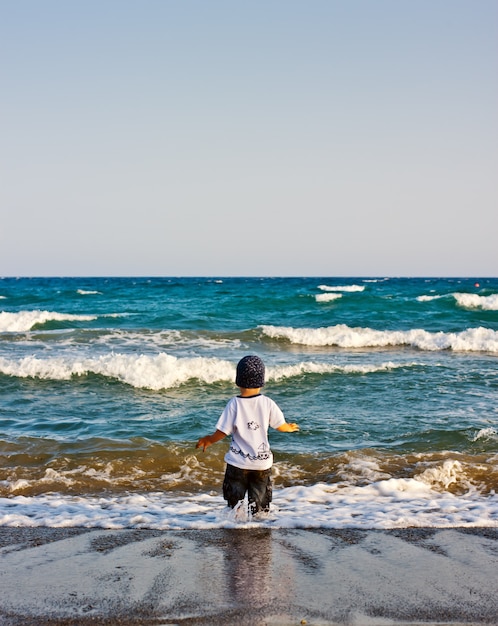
{"x": 263, "y": 449}
{"x": 263, "y": 453}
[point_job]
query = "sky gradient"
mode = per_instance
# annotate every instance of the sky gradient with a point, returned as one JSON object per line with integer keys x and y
{"x": 220, "y": 138}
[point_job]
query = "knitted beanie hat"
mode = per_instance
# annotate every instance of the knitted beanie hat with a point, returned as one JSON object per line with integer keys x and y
{"x": 250, "y": 373}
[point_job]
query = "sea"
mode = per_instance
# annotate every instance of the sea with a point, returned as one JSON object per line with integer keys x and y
{"x": 106, "y": 385}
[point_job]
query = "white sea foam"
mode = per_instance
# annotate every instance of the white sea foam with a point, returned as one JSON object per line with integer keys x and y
{"x": 387, "y": 503}
{"x": 486, "y": 433}
{"x": 164, "y": 371}
{"x": 429, "y": 298}
{"x": 309, "y": 367}
{"x": 85, "y": 292}
{"x": 346, "y": 288}
{"x": 24, "y": 321}
{"x": 327, "y": 297}
{"x": 471, "y": 340}
{"x": 474, "y": 301}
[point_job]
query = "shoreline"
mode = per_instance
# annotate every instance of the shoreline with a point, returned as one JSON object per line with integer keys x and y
{"x": 248, "y": 577}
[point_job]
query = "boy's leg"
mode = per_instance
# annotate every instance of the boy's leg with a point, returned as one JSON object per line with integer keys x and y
{"x": 234, "y": 485}
{"x": 260, "y": 490}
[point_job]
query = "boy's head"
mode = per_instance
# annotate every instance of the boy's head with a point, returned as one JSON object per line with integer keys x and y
{"x": 250, "y": 373}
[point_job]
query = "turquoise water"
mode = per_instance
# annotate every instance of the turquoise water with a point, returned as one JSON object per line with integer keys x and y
{"x": 107, "y": 383}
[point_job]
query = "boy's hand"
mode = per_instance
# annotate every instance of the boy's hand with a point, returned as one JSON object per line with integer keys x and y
{"x": 203, "y": 443}
{"x": 288, "y": 427}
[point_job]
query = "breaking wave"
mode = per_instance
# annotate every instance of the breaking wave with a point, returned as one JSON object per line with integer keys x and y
{"x": 161, "y": 371}
{"x": 24, "y": 321}
{"x": 327, "y": 297}
{"x": 429, "y": 298}
{"x": 466, "y": 300}
{"x": 345, "y": 288}
{"x": 470, "y": 340}
{"x": 474, "y": 301}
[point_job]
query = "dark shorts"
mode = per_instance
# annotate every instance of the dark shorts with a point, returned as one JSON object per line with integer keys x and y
{"x": 257, "y": 483}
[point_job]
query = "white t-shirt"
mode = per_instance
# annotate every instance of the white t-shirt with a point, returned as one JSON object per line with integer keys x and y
{"x": 247, "y": 421}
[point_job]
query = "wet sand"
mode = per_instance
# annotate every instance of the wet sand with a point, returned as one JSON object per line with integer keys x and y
{"x": 248, "y": 577}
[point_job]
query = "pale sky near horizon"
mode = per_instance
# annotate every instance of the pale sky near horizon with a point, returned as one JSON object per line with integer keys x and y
{"x": 207, "y": 137}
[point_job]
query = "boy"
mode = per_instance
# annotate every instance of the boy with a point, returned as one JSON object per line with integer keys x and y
{"x": 246, "y": 418}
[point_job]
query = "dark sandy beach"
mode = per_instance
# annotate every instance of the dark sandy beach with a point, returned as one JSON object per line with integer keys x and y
{"x": 248, "y": 576}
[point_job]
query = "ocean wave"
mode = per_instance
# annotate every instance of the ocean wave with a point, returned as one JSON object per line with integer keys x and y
{"x": 429, "y": 298}
{"x": 24, "y": 321}
{"x": 164, "y": 371}
{"x": 327, "y": 297}
{"x": 474, "y": 301}
{"x": 471, "y": 340}
{"x": 346, "y": 288}
{"x": 466, "y": 300}
{"x": 161, "y": 371}
{"x": 88, "y": 292}
{"x": 309, "y": 367}
{"x": 115, "y": 339}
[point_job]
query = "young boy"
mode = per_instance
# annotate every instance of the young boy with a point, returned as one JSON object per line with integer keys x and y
{"x": 246, "y": 418}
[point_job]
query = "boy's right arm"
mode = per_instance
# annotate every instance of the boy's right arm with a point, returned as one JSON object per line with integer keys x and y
{"x": 207, "y": 441}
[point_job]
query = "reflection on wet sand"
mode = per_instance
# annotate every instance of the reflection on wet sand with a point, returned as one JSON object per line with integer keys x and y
{"x": 249, "y": 577}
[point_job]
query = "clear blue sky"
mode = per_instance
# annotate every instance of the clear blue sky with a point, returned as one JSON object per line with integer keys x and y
{"x": 276, "y": 137}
